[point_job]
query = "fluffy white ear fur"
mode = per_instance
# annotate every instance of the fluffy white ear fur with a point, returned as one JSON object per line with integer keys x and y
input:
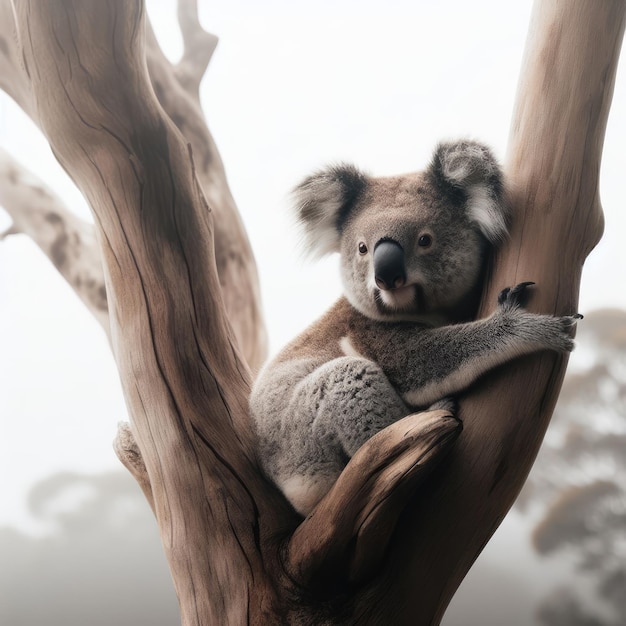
{"x": 488, "y": 212}
{"x": 470, "y": 166}
{"x": 322, "y": 202}
{"x": 318, "y": 203}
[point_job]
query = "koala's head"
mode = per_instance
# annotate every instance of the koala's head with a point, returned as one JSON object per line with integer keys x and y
{"x": 412, "y": 246}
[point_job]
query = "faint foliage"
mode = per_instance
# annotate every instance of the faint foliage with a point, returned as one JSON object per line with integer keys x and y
{"x": 613, "y": 588}
{"x": 564, "y": 609}
{"x": 101, "y": 565}
{"x": 579, "y": 479}
{"x": 568, "y": 520}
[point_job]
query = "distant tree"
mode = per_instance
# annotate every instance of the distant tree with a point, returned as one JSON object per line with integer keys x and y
{"x": 580, "y": 475}
{"x": 98, "y": 562}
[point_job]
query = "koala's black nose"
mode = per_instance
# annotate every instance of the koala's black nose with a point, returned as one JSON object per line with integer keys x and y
{"x": 389, "y": 270}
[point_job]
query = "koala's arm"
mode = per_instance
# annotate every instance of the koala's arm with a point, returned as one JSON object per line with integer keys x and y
{"x": 426, "y": 364}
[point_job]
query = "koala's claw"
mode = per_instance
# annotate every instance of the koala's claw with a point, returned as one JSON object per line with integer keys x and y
{"x": 563, "y": 341}
{"x": 571, "y": 320}
{"x": 513, "y": 296}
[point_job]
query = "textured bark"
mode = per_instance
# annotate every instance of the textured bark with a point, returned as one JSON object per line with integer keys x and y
{"x": 32, "y": 205}
{"x": 346, "y": 537}
{"x": 552, "y": 169}
{"x": 184, "y": 379}
{"x": 393, "y": 539}
{"x": 176, "y": 88}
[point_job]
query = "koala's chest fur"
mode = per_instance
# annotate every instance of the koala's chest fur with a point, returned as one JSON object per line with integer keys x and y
{"x": 345, "y": 332}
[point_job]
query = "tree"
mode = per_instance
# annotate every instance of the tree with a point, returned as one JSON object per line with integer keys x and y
{"x": 235, "y": 549}
{"x": 105, "y": 545}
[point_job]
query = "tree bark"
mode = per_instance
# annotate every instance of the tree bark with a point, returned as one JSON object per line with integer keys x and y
{"x": 70, "y": 242}
{"x": 552, "y": 169}
{"x": 175, "y": 349}
{"x": 393, "y": 539}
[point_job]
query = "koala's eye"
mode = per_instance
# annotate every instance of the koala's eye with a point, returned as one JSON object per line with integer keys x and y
{"x": 362, "y": 248}
{"x": 425, "y": 241}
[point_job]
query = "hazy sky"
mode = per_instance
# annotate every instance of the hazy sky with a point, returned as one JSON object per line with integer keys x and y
{"x": 291, "y": 87}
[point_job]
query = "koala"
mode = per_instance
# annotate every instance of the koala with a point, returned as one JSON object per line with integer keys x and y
{"x": 412, "y": 259}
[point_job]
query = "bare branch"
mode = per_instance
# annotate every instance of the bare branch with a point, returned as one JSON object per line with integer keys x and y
{"x": 233, "y": 255}
{"x": 347, "y": 535}
{"x": 199, "y": 48}
{"x": 68, "y": 241}
{"x": 234, "y": 258}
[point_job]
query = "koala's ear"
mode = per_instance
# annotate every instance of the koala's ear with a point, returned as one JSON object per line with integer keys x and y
{"x": 470, "y": 168}
{"x": 323, "y": 202}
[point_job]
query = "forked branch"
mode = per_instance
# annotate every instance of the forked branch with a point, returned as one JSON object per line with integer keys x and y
{"x": 185, "y": 382}
{"x": 235, "y": 262}
{"x": 129, "y": 454}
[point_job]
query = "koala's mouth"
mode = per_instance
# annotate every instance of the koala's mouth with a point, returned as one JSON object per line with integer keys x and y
{"x": 401, "y": 300}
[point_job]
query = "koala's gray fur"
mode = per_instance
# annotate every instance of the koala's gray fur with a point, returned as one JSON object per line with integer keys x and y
{"x": 384, "y": 350}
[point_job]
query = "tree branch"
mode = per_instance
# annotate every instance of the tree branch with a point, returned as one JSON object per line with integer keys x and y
{"x": 199, "y": 48}
{"x": 233, "y": 254}
{"x": 235, "y": 261}
{"x": 185, "y": 384}
{"x": 346, "y": 537}
{"x": 68, "y": 241}
{"x": 13, "y": 79}
{"x": 552, "y": 168}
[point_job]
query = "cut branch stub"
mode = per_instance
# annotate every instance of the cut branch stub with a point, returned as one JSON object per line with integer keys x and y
{"x": 129, "y": 454}
{"x": 344, "y": 540}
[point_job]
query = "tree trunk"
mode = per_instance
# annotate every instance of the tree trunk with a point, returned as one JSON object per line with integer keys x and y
{"x": 70, "y": 243}
{"x": 392, "y": 540}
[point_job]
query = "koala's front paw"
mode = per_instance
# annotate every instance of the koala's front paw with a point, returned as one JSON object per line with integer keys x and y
{"x": 544, "y": 331}
{"x": 513, "y": 297}
{"x": 563, "y": 339}
{"x": 547, "y": 332}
